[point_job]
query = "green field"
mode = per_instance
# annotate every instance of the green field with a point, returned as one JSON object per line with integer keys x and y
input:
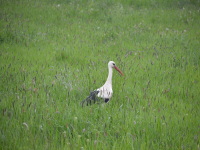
{"x": 54, "y": 52}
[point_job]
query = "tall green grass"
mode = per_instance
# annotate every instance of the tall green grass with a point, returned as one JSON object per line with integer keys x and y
{"x": 53, "y": 53}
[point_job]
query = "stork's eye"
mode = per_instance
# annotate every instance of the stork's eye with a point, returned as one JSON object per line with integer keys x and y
{"x": 113, "y": 64}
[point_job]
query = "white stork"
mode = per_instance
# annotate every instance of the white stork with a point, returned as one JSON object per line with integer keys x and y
{"x": 105, "y": 92}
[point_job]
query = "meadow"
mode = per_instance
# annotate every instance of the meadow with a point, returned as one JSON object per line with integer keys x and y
{"x": 53, "y": 53}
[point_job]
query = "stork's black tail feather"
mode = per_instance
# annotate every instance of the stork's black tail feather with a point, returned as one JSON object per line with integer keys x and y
{"x": 91, "y": 99}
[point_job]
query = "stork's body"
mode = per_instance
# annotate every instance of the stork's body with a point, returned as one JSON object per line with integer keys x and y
{"x": 105, "y": 92}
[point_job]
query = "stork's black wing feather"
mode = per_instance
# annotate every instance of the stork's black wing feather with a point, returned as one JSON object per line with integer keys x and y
{"x": 106, "y": 100}
{"x": 92, "y": 98}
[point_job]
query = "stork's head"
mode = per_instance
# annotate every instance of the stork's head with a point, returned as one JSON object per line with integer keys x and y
{"x": 111, "y": 64}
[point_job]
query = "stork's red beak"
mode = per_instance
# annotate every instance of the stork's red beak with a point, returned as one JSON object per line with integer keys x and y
{"x": 118, "y": 70}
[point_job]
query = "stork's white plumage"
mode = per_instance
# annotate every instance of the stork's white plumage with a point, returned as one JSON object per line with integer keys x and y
{"x": 105, "y": 92}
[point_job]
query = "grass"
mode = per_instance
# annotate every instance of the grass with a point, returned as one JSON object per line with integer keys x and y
{"x": 53, "y": 53}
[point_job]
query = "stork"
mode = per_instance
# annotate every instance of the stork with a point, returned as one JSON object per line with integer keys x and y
{"x": 105, "y": 92}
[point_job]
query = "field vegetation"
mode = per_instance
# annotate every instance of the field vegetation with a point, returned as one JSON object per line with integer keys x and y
{"x": 53, "y": 53}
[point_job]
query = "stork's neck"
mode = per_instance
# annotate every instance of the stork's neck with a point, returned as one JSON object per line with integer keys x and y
{"x": 109, "y": 79}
